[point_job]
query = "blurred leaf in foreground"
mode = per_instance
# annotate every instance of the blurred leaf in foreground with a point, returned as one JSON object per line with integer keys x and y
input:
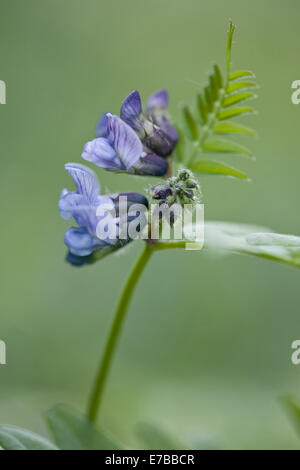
{"x": 72, "y": 431}
{"x": 292, "y": 406}
{"x": 14, "y": 438}
{"x": 156, "y": 438}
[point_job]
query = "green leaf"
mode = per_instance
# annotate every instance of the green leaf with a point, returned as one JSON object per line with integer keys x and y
{"x": 226, "y": 127}
{"x": 252, "y": 240}
{"x": 241, "y": 74}
{"x": 293, "y": 408}
{"x": 232, "y": 87}
{"x": 217, "y": 168}
{"x": 235, "y": 98}
{"x": 225, "y": 146}
{"x": 157, "y": 439}
{"x": 72, "y": 431}
{"x": 218, "y": 75}
{"x": 227, "y": 237}
{"x": 229, "y": 46}
{"x": 208, "y": 99}
{"x": 13, "y": 438}
{"x": 202, "y": 109}
{"x": 214, "y": 89}
{"x": 191, "y": 123}
{"x": 233, "y": 112}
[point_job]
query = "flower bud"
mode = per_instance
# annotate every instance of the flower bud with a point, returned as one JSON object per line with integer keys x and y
{"x": 182, "y": 189}
{"x": 158, "y": 141}
{"x": 160, "y": 192}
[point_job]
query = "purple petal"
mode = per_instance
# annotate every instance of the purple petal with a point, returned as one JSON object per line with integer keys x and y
{"x": 132, "y": 198}
{"x": 101, "y": 128}
{"x": 167, "y": 127}
{"x": 124, "y": 140}
{"x": 68, "y": 202}
{"x": 151, "y": 164}
{"x": 80, "y": 242}
{"x": 101, "y": 153}
{"x": 158, "y": 100}
{"x": 129, "y": 199}
{"x": 131, "y": 110}
{"x": 85, "y": 216}
{"x": 159, "y": 142}
{"x": 85, "y": 179}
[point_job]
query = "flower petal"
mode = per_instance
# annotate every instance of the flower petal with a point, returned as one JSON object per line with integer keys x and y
{"x": 158, "y": 100}
{"x": 68, "y": 202}
{"x": 159, "y": 142}
{"x": 85, "y": 216}
{"x": 101, "y": 153}
{"x": 130, "y": 199}
{"x": 124, "y": 140}
{"x": 80, "y": 242}
{"x": 101, "y": 128}
{"x": 131, "y": 110}
{"x": 76, "y": 260}
{"x": 167, "y": 127}
{"x": 85, "y": 179}
{"x": 151, "y": 164}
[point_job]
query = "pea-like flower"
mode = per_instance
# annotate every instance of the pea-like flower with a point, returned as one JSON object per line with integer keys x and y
{"x": 119, "y": 149}
{"x": 155, "y": 130}
{"x": 83, "y": 206}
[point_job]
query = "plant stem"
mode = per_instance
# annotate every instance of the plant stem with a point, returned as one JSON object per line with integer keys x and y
{"x": 98, "y": 388}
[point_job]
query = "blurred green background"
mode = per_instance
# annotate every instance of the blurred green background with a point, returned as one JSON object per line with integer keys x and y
{"x": 206, "y": 348}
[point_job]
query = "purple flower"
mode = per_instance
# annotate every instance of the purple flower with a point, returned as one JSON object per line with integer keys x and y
{"x": 101, "y": 128}
{"x": 155, "y": 130}
{"x": 83, "y": 206}
{"x": 120, "y": 149}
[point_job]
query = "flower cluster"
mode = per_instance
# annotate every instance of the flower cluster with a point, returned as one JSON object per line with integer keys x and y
{"x": 181, "y": 189}
{"x": 134, "y": 143}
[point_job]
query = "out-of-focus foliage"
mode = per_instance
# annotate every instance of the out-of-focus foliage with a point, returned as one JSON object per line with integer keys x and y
{"x": 13, "y": 438}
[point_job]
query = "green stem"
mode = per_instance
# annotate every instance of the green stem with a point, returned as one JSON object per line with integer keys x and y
{"x": 98, "y": 388}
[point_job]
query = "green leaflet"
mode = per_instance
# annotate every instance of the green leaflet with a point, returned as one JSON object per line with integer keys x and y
{"x": 191, "y": 123}
{"x": 208, "y": 99}
{"x": 218, "y": 76}
{"x": 229, "y": 46}
{"x": 72, "y": 431}
{"x": 241, "y": 74}
{"x": 235, "y": 86}
{"x": 216, "y": 168}
{"x": 214, "y": 88}
{"x": 14, "y": 438}
{"x": 202, "y": 109}
{"x": 230, "y": 113}
{"x": 225, "y": 127}
{"x": 225, "y": 146}
{"x": 236, "y": 98}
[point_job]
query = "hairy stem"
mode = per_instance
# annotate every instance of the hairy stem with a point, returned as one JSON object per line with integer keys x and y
{"x": 110, "y": 347}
